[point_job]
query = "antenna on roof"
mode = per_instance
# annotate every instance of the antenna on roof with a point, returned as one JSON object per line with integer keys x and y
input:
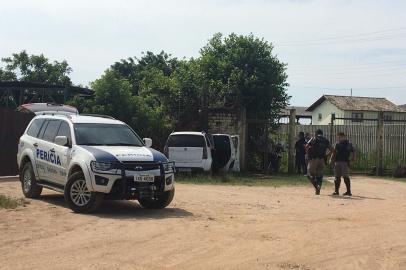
{"x": 351, "y": 91}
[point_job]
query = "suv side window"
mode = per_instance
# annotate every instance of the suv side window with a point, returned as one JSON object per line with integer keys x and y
{"x": 51, "y": 130}
{"x": 35, "y": 127}
{"x": 64, "y": 130}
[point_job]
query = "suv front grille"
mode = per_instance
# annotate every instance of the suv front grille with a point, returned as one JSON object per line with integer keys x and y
{"x": 141, "y": 166}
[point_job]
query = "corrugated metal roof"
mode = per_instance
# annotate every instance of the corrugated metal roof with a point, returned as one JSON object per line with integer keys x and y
{"x": 351, "y": 103}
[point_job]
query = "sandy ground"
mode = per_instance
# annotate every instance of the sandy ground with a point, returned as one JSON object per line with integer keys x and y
{"x": 213, "y": 227}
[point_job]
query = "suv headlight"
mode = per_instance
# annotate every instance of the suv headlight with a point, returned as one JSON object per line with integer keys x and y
{"x": 169, "y": 167}
{"x": 103, "y": 167}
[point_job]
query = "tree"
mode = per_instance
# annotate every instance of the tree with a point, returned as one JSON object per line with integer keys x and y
{"x": 133, "y": 68}
{"x": 242, "y": 71}
{"x": 35, "y": 68}
{"x": 113, "y": 96}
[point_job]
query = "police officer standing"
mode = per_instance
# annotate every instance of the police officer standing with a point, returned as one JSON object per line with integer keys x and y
{"x": 317, "y": 153}
{"x": 342, "y": 152}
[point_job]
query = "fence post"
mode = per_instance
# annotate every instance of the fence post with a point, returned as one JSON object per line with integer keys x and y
{"x": 242, "y": 132}
{"x": 292, "y": 131}
{"x": 266, "y": 146}
{"x": 333, "y": 118}
{"x": 379, "y": 145}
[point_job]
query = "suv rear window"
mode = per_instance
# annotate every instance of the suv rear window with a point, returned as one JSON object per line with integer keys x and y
{"x": 35, "y": 127}
{"x": 186, "y": 141}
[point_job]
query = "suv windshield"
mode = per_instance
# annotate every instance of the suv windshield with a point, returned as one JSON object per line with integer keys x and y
{"x": 105, "y": 134}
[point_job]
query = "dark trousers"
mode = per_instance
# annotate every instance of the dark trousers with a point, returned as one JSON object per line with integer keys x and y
{"x": 301, "y": 166}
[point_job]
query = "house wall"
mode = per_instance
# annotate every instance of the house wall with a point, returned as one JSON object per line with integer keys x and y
{"x": 373, "y": 115}
{"x": 325, "y": 109}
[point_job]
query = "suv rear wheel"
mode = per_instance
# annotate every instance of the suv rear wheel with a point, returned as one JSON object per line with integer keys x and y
{"x": 78, "y": 197}
{"x": 28, "y": 182}
{"x": 161, "y": 202}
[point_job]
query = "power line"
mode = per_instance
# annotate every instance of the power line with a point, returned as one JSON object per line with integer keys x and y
{"x": 362, "y": 37}
{"x": 348, "y": 88}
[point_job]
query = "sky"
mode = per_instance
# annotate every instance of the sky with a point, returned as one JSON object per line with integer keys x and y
{"x": 330, "y": 46}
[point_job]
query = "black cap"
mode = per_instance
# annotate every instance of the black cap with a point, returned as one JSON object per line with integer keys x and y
{"x": 319, "y": 132}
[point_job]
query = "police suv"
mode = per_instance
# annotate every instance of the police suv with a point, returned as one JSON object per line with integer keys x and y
{"x": 91, "y": 158}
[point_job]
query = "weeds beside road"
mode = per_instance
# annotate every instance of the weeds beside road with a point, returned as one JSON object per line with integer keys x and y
{"x": 11, "y": 203}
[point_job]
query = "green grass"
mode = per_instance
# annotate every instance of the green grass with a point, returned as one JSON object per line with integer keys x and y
{"x": 390, "y": 178}
{"x": 10, "y": 203}
{"x": 279, "y": 180}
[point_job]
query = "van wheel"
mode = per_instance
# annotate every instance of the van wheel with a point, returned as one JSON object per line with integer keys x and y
{"x": 161, "y": 202}
{"x": 28, "y": 182}
{"x": 78, "y": 197}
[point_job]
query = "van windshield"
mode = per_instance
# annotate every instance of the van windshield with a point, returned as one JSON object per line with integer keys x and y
{"x": 105, "y": 134}
{"x": 186, "y": 141}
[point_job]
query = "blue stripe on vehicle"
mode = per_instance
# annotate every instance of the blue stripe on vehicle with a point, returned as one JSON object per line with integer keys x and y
{"x": 100, "y": 155}
{"x": 157, "y": 156}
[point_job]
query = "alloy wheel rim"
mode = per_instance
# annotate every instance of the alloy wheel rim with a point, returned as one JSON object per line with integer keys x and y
{"x": 79, "y": 193}
{"x": 27, "y": 181}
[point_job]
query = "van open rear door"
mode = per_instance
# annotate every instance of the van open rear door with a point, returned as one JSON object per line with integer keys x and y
{"x": 236, "y": 143}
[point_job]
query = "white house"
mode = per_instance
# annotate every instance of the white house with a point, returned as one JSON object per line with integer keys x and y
{"x": 356, "y": 108}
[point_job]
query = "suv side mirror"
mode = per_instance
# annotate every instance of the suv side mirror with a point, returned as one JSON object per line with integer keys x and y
{"x": 62, "y": 140}
{"x": 148, "y": 142}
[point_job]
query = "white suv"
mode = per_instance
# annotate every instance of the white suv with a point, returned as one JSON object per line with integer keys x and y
{"x": 191, "y": 151}
{"x": 90, "y": 158}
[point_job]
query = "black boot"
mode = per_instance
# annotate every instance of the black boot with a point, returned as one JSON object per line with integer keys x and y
{"x": 312, "y": 180}
{"x": 319, "y": 183}
{"x": 348, "y": 186}
{"x": 337, "y": 183}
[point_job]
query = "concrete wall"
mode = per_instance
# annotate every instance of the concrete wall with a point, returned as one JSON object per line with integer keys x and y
{"x": 232, "y": 122}
{"x": 223, "y": 122}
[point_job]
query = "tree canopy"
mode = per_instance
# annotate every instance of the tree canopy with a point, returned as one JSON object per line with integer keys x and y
{"x": 35, "y": 68}
{"x": 158, "y": 93}
{"x": 242, "y": 71}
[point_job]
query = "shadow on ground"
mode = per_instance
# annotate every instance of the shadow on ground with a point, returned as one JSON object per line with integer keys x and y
{"x": 356, "y": 197}
{"x": 123, "y": 209}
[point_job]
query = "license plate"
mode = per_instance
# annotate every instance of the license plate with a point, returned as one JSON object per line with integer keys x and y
{"x": 144, "y": 178}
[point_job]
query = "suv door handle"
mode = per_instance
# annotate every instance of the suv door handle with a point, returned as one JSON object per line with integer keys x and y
{"x": 35, "y": 144}
{"x": 52, "y": 150}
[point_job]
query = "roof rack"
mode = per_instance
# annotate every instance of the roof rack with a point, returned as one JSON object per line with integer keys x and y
{"x": 98, "y": 115}
{"x": 66, "y": 114}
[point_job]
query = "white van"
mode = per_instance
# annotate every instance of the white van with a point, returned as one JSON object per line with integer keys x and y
{"x": 191, "y": 151}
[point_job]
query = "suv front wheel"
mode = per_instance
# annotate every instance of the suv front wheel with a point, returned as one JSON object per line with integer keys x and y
{"x": 161, "y": 202}
{"x": 78, "y": 197}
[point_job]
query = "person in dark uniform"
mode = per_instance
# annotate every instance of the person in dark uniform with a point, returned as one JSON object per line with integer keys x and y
{"x": 317, "y": 148}
{"x": 300, "y": 154}
{"x": 342, "y": 152}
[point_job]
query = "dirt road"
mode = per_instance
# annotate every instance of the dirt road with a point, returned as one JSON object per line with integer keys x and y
{"x": 213, "y": 227}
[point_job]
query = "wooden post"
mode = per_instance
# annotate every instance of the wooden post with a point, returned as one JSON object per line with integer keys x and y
{"x": 266, "y": 148}
{"x": 292, "y": 135}
{"x": 333, "y": 118}
{"x": 242, "y": 129}
{"x": 380, "y": 145}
